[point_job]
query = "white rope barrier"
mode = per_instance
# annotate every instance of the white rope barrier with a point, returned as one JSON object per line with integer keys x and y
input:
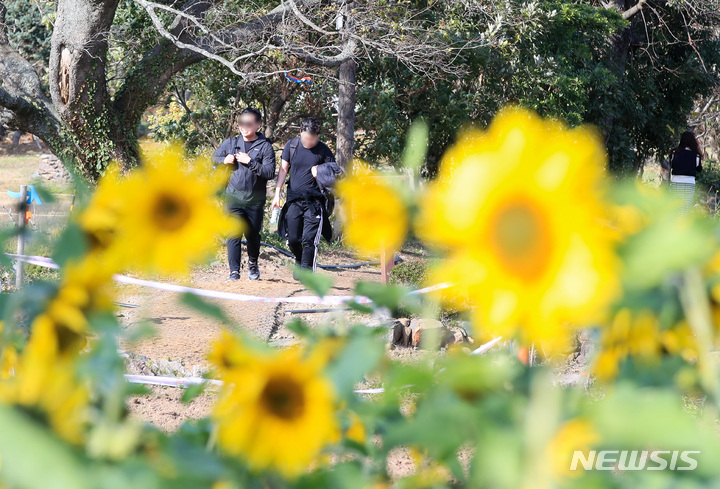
{"x": 332, "y": 300}
{"x": 329, "y": 300}
{"x": 188, "y": 381}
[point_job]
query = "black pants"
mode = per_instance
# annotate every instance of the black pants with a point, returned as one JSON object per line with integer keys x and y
{"x": 304, "y": 228}
{"x": 252, "y": 219}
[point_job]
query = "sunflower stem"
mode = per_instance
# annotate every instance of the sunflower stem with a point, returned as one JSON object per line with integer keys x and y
{"x": 212, "y": 439}
{"x": 696, "y": 307}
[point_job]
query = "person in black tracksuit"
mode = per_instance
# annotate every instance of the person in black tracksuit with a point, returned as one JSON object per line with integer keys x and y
{"x": 253, "y": 160}
{"x": 304, "y": 218}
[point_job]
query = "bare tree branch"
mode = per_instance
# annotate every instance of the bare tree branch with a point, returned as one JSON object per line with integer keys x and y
{"x": 379, "y": 28}
{"x": 634, "y": 9}
{"x": 3, "y": 25}
{"x": 307, "y": 21}
{"x": 348, "y": 52}
{"x": 213, "y": 44}
{"x": 186, "y": 41}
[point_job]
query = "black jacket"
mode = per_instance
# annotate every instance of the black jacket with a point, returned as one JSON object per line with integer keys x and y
{"x": 248, "y": 183}
{"x": 686, "y": 162}
{"x": 327, "y": 174}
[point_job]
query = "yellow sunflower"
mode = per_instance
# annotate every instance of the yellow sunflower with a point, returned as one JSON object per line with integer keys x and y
{"x": 638, "y": 334}
{"x": 43, "y": 377}
{"x": 276, "y": 410}
{"x": 45, "y": 380}
{"x": 164, "y": 216}
{"x": 84, "y": 289}
{"x": 376, "y": 219}
{"x": 680, "y": 340}
{"x": 228, "y": 353}
{"x": 100, "y": 220}
{"x": 8, "y": 357}
{"x": 519, "y": 209}
{"x": 634, "y": 334}
{"x": 574, "y": 435}
{"x": 355, "y": 430}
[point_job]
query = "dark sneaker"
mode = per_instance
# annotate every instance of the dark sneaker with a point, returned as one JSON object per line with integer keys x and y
{"x": 234, "y": 275}
{"x": 253, "y": 270}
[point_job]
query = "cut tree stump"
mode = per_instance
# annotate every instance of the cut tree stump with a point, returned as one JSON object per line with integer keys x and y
{"x": 426, "y": 333}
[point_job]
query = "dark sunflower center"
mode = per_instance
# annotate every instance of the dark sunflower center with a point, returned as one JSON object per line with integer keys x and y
{"x": 171, "y": 213}
{"x": 521, "y": 239}
{"x": 284, "y": 398}
{"x": 68, "y": 339}
{"x": 225, "y": 361}
{"x": 99, "y": 240}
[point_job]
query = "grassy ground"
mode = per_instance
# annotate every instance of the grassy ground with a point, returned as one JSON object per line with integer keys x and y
{"x": 19, "y": 167}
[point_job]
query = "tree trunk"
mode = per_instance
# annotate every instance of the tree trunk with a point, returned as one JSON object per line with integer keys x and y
{"x": 346, "y": 113}
{"x": 78, "y": 89}
{"x": 272, "y": 117}
{"x": 80, "y": 121}
{"x": 621, "y": 50}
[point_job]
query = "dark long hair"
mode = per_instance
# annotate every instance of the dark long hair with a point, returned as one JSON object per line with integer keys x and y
{"x": 688, "y": 140}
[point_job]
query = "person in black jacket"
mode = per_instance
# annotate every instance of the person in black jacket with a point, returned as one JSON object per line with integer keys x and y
{"x": 304, "y": 218}
{"x": 253, "y": 160}
{"x": 685, "y": 164}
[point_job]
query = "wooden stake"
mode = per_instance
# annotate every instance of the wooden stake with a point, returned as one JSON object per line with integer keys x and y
{"x": 21, "y": 222}
{"x": 386, "y": 264}
{"x": 523, "y": 354}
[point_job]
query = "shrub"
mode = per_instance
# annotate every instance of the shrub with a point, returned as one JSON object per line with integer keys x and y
{"x": 411, "y": 273}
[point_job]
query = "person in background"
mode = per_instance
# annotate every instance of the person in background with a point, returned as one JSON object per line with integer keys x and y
{"x": 685, "y": 164}
{"x": 252, "y": 159}
{"x": 304, "y": 218}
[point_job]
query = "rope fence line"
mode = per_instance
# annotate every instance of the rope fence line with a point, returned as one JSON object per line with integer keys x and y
{"x": 185, "y": 382}
{"x": 188, "y": 381}
{"x": 330, "y": 300}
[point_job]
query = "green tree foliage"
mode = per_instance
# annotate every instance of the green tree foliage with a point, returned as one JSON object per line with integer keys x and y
{"x": 30, "y": 29}
{"x": 636, "y": 81}
{"x": 203, "y": 103}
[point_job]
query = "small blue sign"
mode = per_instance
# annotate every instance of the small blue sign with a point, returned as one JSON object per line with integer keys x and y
{"x": 32, "y": 195}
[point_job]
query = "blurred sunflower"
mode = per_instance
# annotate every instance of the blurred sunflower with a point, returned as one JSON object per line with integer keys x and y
{"x": 84, "y": 289}
{"x": 52, "y": 392}
{"x": 8, "y": 357}
{"x": 519, "y": 209}
{"x": 639, "y": 335}
{"x": 8, "y": 361}
{"x": 376, "y": 219}
{"x": 276, "y": 410}
{"x": 45, "y": 381}
{"x": 630, "y": 333}
{"x": 355, "y": 430}
{"x": 574, "y": 435}
{"x": 162, "y": 217}
{"x": 712, "y": 271}
{"x": 227, "y": 353}
{"x": 626, "y": 220}
{"x": 99, "y": 222}
{"x": 680, "y": 340}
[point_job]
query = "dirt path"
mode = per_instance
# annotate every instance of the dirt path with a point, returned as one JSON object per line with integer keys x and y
{"x": 185, "y": 335}
{"x": 181, "y": 334}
